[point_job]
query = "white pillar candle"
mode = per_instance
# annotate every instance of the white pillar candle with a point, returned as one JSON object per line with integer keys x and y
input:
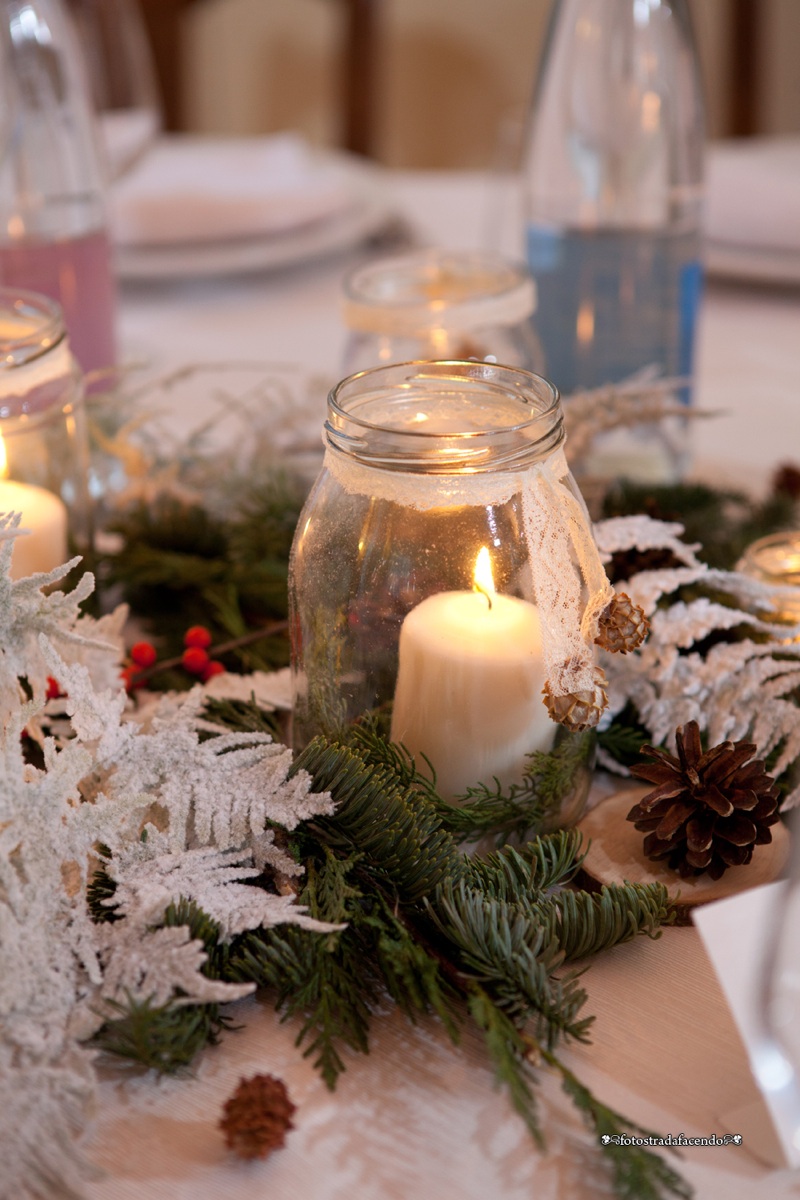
{"x": 45, "y": 516}
{"x": 469, "y": 687}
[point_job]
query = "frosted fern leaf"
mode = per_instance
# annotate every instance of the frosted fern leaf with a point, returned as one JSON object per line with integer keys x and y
{"x": 208, "y": 809}
{"x": 723, "y": 659}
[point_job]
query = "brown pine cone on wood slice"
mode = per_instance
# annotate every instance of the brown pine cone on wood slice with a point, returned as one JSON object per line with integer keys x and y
{"x": 708, "y": 810}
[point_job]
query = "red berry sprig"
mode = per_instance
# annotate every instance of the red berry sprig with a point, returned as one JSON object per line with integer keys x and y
{"x": 195, "y": 658}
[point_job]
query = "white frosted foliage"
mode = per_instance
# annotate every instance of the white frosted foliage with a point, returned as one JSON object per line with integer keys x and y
{"x": 182, "y": 818}
{"x": 739, "y": 688}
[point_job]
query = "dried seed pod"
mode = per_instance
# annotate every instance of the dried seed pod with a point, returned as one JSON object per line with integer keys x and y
{"x": 623, "y": 625}
{"x": 580, "y": 710}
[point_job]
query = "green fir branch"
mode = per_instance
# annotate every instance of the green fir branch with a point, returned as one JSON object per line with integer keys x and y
{"x": 509, "y": 1054}
{"x": 624, "y": 737}
{"x": 434, "y": 931}
{"x": 242, "y": 716}
{"x": 396, "y": 829}
{"x": 585, "y": 923}
{"x": 638, "y": 1173}
{"x": 547, "y": 862}
{"x": 526, "y": 808}
{"x": 165, "y": 1037}
{"x": 325, "y": 980}
{"x": 514, "y": 960}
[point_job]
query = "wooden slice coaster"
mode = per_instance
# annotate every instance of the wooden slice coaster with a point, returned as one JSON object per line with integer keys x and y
{"x": 616, "y": 856}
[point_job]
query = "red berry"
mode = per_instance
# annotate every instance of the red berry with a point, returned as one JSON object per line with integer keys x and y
{"x": 197, "y": 635}
{"x": 143, "y": 654}
{"x": 212, "y": 668}
{"x": 53, "y": 689}
{"x": 126, "y": 675}
{"x": 195, "y": 660}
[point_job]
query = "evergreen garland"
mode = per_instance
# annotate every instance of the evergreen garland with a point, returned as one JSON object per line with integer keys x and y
{"x": 481, "y": 940}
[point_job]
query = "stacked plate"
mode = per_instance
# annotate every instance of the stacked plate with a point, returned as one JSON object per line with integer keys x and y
{"x": 753, "y": 210}
{"x": 194, "y": 206}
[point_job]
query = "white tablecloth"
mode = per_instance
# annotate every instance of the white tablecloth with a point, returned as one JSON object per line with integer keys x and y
{"x": 418, "y": 1119}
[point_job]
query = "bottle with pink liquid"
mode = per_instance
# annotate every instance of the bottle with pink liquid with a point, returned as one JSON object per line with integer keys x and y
{"x": 53, "y": 235}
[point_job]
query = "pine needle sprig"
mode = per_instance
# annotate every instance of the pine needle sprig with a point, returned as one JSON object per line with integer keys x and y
{"x": 203, "y": 927}
{"x": 581, "y": 923}
{"x": 396, "y": 829}
{"x": 508, "y": 1052}
{"x": 547, "y": 862}
{"x": 242, "y": 716}
{"x": 584, "y": 923}
{"x": 638, "y": 1172}
{"x": 514, "y": 960}
{"x": 521, "y": 810}
{"x": 164, "y": 1037}
{"x": 326, "y": 981}
{"x": 416, "y": 979}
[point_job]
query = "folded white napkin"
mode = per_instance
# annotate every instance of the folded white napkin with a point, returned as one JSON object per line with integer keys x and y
{"x": 203, "y": 189}
{"x": 753, "y": 193}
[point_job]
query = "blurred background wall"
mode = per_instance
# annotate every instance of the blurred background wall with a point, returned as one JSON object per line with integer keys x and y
{"x": 451, "y": 79}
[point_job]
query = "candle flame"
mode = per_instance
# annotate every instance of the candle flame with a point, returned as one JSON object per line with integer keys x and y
{"x": 3, "y": 459}
{"x": 482, "y": 575}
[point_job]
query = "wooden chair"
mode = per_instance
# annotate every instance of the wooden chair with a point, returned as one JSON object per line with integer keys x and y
{"x": 358, "y": 67}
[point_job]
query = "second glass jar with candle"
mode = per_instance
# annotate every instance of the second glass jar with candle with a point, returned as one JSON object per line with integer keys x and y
{"x": 413, "y": 591}
{"x": 44, "y": 451}
{"x": 440, "y": 304}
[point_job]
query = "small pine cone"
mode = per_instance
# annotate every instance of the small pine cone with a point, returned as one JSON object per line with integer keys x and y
{"x": 623, "y": 625}
{"x": 257, "y": 1117}
{"x": 708, "y": 810}
{"x": 627, "y": 563}
{"x": 578, "y": 711}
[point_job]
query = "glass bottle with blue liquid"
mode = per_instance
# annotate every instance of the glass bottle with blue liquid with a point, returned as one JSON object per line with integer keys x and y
{"x": 614, "y": 189}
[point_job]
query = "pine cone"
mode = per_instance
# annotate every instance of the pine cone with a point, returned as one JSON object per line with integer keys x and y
{"x": 623, "y": 625}
{"x": 707, "y": 811}
{"x": 257, "y": 1117}
{"x": 627, "y": 563}
{"x": 578, "y": 711}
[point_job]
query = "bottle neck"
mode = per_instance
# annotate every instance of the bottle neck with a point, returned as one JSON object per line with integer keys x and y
{"x": 617, "y": 131}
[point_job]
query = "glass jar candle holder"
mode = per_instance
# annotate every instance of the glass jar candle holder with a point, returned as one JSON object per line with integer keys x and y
{"x": 44, "y": 457}
{"x": 775, "y": 560}
{"x": 444, "y": 569}
{"x": 438, "y": 304}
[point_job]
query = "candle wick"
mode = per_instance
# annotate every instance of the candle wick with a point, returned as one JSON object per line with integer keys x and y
{"x": 483, "y": 591}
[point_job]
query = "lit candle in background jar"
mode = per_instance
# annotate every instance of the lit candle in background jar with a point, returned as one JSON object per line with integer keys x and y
{"x": 775, "y": 561}
{"x": 43, "y": 515}
{"x": 469, "y": 685}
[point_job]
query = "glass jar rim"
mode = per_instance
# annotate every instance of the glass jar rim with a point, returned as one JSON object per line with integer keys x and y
{"x": 533, "y": 430}
{"x": 40, "y": 326}
{"x": 774, "y": 559}
{"x": 410, "y": 294}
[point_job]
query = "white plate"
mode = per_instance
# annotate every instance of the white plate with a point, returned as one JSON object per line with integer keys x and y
{"x": 752, "y": 264}
{"x": 366, "y": 213}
